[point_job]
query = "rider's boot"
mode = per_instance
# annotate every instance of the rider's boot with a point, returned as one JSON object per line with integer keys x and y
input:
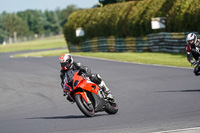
{"x": 96, "y": 78}
{"x": 106, "y": 90}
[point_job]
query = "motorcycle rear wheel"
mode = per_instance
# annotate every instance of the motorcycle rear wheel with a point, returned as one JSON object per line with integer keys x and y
{"x": 86, "y": 109}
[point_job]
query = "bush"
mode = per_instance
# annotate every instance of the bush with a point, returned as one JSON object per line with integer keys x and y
{"x": 133, "y": 19}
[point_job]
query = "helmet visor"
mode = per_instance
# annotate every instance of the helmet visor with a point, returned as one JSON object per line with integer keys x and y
{"x": 191, "y": 42}
{"x": 65, "y": 64}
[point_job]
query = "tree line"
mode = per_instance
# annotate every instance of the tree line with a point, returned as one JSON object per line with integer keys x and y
{"x": 106, "y": 2}
{"x": 33, "y": 22}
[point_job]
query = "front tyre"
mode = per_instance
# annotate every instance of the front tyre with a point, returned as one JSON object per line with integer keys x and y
{"x": 111, "y": 108}
{"x": 86, "y": 109}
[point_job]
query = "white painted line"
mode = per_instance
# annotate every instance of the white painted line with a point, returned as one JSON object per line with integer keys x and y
{"x": 11, "y": 56}
{"x": 186, "y": 130}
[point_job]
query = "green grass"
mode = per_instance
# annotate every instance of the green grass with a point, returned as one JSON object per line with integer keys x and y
{"x": 171, "y": 59}
{"x": 46, "y": 43}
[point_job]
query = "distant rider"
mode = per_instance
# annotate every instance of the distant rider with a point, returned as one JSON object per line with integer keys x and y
{"x": 68, "y": 69}
{"x": 193, "y": 50}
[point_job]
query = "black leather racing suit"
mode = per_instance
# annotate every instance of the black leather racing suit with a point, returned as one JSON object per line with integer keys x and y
{"x": 193, "y": 51}
{"x": 67, "y": 75}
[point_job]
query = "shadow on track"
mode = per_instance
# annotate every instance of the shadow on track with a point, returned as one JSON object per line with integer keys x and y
{"x": 66, "y": 117}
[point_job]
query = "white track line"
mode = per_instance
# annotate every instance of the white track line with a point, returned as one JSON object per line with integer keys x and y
{"x": 186, "y": 130}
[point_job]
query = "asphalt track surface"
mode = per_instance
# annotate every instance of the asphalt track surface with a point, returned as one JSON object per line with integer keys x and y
{"x": 150, "y": 98}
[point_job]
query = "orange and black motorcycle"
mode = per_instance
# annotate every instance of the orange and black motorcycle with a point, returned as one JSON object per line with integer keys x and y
{"x": 89, "y": 97}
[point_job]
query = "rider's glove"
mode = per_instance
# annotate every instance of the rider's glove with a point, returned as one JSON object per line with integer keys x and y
{"x": 193, "y": 62}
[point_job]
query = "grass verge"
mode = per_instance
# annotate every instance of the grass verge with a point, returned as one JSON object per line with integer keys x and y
{"x": 171, "y": 59}
{"x": 46, "y": 43}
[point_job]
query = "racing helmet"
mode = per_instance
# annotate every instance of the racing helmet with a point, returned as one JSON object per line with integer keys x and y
{"x": 191, "y": 39}
{"x": 66, "y": 61}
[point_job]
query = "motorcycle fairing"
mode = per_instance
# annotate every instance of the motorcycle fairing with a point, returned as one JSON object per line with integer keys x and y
{"x": 80, "y": 82}
{"x": 99, "y": 102}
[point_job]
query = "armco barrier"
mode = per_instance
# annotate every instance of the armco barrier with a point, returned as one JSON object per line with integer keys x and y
{"x": 167, "y": 42}
{"x": 111, "y": 44}
{"x": 86, "y": 46}
{"x": 159, "y": 42}
{"x": 94, "y": 44}
{"x": 130, "y": 43}
{"x": 120, "y": 45}
{"x": 102, "y": 44}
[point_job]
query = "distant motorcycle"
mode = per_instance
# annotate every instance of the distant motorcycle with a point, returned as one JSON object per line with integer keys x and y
{"x": 89, "y": 97}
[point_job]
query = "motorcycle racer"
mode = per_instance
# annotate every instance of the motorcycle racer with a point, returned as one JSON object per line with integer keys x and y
{"x": 193, "y": 51}
{"x": 69, "y": 67}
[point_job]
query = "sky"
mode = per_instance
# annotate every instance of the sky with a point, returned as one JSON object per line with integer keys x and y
{"x": 11, "y": 6}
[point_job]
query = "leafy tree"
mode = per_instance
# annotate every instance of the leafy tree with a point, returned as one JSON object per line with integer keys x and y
{"x": 35, "y": 20}
{"x": 105, "y": 2}
{"x": 12, "y": 23}
{"x": 30, "y": 22}
{"x": 3, "y": 33}
{"x": 52, "y": 22}
{"x": 64, "y": 14}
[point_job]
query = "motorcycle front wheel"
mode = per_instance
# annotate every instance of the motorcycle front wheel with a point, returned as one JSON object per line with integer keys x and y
{"x": 111, "y": 108}
{"x": 86, "y": 109}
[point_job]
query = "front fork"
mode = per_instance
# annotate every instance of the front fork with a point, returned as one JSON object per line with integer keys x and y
{"x": 84, "y": 96}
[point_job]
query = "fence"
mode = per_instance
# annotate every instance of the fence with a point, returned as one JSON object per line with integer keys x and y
{"x": 159, "y": 42}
